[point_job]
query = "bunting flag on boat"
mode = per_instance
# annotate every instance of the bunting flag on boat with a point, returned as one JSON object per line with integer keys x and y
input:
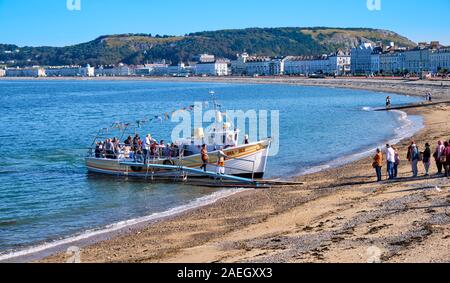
{"x": 163, "y": 117}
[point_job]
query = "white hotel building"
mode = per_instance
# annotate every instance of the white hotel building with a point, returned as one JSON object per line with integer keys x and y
{"x": 70, "y": 71}
{"x": 440, "y": 60}
{"x": 217, "y": 68}
{"x": 392, "y": 62}
{"x": 25, "y": 72}
{"x": 336, "y": 64}
{"x": 114, "y": 71}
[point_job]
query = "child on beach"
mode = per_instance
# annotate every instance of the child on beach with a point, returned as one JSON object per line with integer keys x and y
{"x": 378, "y": 164}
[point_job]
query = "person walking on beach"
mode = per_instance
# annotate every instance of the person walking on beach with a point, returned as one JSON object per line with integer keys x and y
{"x": 397, "y": 162}
{"x": 446, "y": 160}
{"x": 390, "y": 157}
{"x": 378, "y": 164}
{"x": 438, "y": 153}
{"x": 426, "y": 159}
{"x": 414, "y": 159}
{"x": 205, "y": 157}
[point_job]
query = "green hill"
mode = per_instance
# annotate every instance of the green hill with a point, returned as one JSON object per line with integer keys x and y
{"x": 140, "y": 48}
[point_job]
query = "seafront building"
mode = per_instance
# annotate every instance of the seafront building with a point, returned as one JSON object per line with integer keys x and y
{"x": 70, "y": 71}
{"x": 392, "y": 62}
{"x": 361, "y": 59}
{"x": 217, "y": 68}
{"x": 239, "y": 66}
{"x": 114, "y": 71}
{"x": 2, "y": 72}
{"x": 25, "y": 72}
{"x": 440, "y": 61}
{"x": 334, "y": 64}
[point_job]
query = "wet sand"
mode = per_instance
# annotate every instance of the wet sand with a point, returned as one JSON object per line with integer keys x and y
{"x": 338, "y": 215}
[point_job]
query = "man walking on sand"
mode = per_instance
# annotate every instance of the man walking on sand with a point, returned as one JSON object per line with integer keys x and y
{"x": 390, "y": 157}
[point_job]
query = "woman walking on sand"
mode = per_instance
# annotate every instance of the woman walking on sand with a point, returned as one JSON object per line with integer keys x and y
{"x": 397, "y": 162}
{"x": 427, "y": 159}
{"x": 414, "y": 157}
{"x": 437, "y": 156}
{"x": 446, "y": 160}
{"x": 378, "y": 164}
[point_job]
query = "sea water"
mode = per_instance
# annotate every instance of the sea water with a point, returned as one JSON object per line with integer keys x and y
{"x": 46, "y": 194}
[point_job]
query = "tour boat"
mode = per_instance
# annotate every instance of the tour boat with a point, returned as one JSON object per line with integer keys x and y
{"x": 246, "y": 160}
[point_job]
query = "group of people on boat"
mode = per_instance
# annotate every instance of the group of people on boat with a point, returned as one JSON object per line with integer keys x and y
{"x": 414, "y": 156}
{"x": 136, "y": 149}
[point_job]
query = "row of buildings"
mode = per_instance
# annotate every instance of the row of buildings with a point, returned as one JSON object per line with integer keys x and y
{"x": 366, "y": 59}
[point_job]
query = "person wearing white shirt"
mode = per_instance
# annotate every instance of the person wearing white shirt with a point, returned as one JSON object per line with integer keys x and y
{"x": 390, "y": 157}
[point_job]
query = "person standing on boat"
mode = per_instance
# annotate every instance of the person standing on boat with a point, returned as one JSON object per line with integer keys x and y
{"x": 205, "y": 157}
{"x": 221, "y": 162}
{"x": 146, "y": 147}
{"x": 377, "y": 164}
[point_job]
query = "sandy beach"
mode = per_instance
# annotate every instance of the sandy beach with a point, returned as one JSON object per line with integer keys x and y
{"x": 338, "y": 215}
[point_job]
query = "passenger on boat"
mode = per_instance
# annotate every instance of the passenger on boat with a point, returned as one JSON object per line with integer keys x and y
{"x": 167, "y": 152}
{"x": 221, "y": 162}
{"x": 129, "y": 141}
{"x": 136, "y": 140}
{"x": 154, "y": 149}
{"x": 205, "y": 157}
{"x": 98, "y": 149}
{"x": 146, "y": 147}
{"x": 109, "y": 148}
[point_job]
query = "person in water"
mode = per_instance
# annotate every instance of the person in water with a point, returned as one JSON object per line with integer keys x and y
{"x": 205, "y": 157}
{"x": 426, "y": 159}
{"x": 378, "y": 164}
{"x": 388, "y": 102}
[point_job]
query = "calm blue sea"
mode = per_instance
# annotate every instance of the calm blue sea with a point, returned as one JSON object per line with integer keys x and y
{"x": 45, "y": 126}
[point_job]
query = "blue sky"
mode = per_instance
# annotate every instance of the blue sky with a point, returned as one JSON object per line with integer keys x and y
{"x": 49, "y": 22}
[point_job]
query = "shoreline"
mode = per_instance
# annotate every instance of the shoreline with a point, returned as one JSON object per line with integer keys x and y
{"x": 102, "y": 251}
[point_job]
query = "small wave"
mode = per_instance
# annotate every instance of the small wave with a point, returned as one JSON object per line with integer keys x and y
{"x": 368, "y": 109}
{"x": 118, "y": 226}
